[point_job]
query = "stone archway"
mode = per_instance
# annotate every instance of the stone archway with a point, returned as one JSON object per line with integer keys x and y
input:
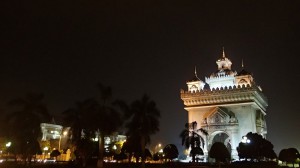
{"x": 220, "y": 136}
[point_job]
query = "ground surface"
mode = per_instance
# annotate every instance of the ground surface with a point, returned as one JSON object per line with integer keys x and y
{"x": 126, "y": 165}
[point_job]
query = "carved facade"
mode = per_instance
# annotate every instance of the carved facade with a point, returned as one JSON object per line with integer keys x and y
{"x": 228, "y": 105}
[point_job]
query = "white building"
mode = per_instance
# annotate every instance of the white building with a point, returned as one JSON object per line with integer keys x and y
{"x": 228, "y": 105}
{"x": 51, "y": 131}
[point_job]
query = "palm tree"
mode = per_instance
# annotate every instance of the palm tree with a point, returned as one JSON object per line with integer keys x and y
{"x": 191, "y": 138}
{"x": 143, "y": 121}
{"x": 106, "y": 119}
{"x": 78, "y": 120}
{"x": 24, "y": 120}
{"x": 94, "y": 116}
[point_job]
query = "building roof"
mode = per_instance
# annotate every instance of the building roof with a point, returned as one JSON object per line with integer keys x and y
{"x": 243, "y": 72}
{"x": 195, "y": 78}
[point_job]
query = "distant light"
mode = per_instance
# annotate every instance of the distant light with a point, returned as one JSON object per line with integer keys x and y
{"x": 160, "y": 151}
{"x": 114, "y": 147}
{"x": 96, "y": 139}
{"x": 46, "y": 148}
{"x": 8, "y": 144}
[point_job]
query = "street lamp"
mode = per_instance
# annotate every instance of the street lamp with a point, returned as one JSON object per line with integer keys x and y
{"x": 8, "y": 144}
{"x": 45, "y": 150}
{"x": 157, "y": 148}
{"x": 245, "y": 140}
{"x": 59, "y": 143}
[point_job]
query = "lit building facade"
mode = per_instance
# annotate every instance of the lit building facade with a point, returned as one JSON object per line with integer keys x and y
{"x": 50, "y": 131}
{"x": 227, "y": 105}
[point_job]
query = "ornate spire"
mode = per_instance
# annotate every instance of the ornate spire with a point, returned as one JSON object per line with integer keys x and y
{"x": 243, "y": 63}
{"x": 243, "y": 71}
{"x": 223, "y": 52}
{"x": 195, "y": 78}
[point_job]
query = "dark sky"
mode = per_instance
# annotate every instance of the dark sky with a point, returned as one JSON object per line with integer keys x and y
{"x": 63, "y": 48}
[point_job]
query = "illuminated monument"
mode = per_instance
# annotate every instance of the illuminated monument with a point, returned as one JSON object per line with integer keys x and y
{"x": 228, "y": 105}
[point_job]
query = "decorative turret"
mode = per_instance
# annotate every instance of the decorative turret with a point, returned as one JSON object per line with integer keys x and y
{"x": 223, "y": 62}
{"x": 195, "y": 84}
{"x": 224, "y": 76}
{"x": 244, "y": 77}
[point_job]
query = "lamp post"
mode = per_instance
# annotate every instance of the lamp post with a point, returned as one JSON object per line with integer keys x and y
{"x": 45, "y": 150}
{"x": 8, "y": 144}
{"x": 59, "y": 143}
{"x": 157, "y": 148}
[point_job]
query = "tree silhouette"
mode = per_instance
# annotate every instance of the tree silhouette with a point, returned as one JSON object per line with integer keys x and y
{"x": 191, "y": 138}
{"x": 105, "y": 119}
{"x": 24, "y": 122}
{"x": 256, "y": 148}
{"x": 132, "y": 147}
{"x": 55, "y": 153}
{"x": 219, "y": 152}
{"x": 289, "y": 155}
{"x": 142, "y": 121}
{"x": 170, "y": 151}
{"x": 78, "y": 119}
{"x": 121, "y": 156}
{"x": 94, "y": 117}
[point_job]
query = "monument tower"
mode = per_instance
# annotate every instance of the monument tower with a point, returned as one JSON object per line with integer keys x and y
{"x": 227, "y": 105}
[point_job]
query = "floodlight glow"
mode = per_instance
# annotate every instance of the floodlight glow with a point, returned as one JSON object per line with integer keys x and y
{"x": 8, "y": 144}
{"x": 245, "y": 140}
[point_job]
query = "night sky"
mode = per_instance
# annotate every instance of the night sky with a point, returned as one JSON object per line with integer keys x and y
{"x": 63, "y": 48}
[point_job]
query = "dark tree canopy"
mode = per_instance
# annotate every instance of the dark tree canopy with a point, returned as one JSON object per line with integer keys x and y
{"x": 170, "y": 151}
{"x": 289, "y": 155}
{"x": 55, "y": 153}
{"x": 132, "y": 147}
{"x": 255, "y": 148}
{"x": 26, "y": 114}
{"x": 219, "y": 152}
{"x": 91, "y": 116}
{"x": 142, "y": 120}
{"x": 121, "y": 156}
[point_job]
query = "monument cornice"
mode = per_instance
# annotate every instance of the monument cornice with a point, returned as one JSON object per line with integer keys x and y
{"x": 230, "y": 95}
